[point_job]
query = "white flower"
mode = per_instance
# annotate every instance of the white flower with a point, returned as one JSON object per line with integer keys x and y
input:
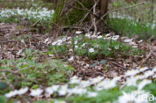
{"x": 64, "y": 39}
{"x": 54, "y": 43}
{"x": 128, "y": 40}
{"x": 116, "y": 79}
{"x": 50, "y": 90}
{"x": 143, "y": 69}
{"x": 23, "y": 91}
{"x": 29, "y": 14}
{"x": 36, "y": 92}
{"x": 77, "y": 90}
{"x": 154, "y": 68}
{"x": 70, "y": 50}
{"x": 109, "y": 34}
{"x": 92, "y": 94}
{"x": 83, "y": 45}
{"x": 69, "y": 42}
{"x": 132, "y": 81}
{"x": 63, "y": 90}
{"x": 76, "y": 46}
{"x": 68, "y": 38}
{"x": 106, "y": 84}
{"x": 47, "y": 41}
{"x": 91, "y": 50}
{"x": 131, "y": 72}
{"x": 134, "y": 97}
{"x": 55, "y": 87}
{"x": 116, "y": 37}
{"x": 99, "y": 37}
{"x": 96, "y": 80}
{"x": 75, "y": 42}
{"x": 59, "y": 42}
{"x": 84, "y": 84}
{"x": 11, "y": 94}
{"x": 78, "y": 32}
{"x": 148, "y": 74}
{"x": 88, "y": 35}
{"x": 71, "y": 59}
{"x": 93, "y": 36}
{"x": 140, "y": 41}
{"x": 75, "y": 80}
{"x": 141, "y": 96}
{"x": 59, "y": 101}
{"x": 143, "y": 83}
{"x": 140, "y": 77}
{"x": 17, "y": 92}
{"x": 145, "y": 75}
{"x": 126, "y": 98}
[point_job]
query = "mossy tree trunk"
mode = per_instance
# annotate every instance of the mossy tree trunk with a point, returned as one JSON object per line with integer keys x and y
{"x": 71, "y": 12}
{"x": 103, "y": 7}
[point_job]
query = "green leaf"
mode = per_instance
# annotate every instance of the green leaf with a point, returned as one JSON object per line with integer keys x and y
{"x": 151, "y": 88}
{"x": 3, "y": 85}
{"x": 103, "y": 62}
{"x": 3, "y": 99}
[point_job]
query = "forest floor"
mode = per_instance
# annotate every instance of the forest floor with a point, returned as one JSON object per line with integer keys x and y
{"x": 35, "y": 67}
{"x": 15, "y": 39}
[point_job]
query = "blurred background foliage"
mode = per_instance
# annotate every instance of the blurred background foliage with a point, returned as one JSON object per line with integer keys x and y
{"x": 127, "y": 17}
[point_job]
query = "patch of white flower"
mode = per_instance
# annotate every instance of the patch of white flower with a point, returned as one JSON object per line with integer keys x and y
{"x": 71, "y": 59}
{"x": 115, "y": 37}
{"x": 134, "y": 97}
{"x": 128, "y": 40}
{"x": 59, "y": 101}
{"x": 136, "y": 71}
{"x": 78, "y": 32}
{"x": 92, "y": 94}
{"x": 63, "y": 90}
{"x": 96, "y": 80}
{"x": 91, "y": 50}
{"x": 77, "y": 90}
{"x": 76, "y": 86}
{"x": 109, "y": 36}
{"x": 38, "y": 14}
{"x": 75, "y": 80}
{"x": 131, "y": 81}
{"x": 36, "y": 92}
{"x": 107, "y": 84}
{"x": 61, "y": 41}
{"x": 50, "y": 90}
{"x": 132, "y": 72}
{"x": 99, "y": 37}
{"x": 17, "y": 92}
{"x": 68, "y": 40}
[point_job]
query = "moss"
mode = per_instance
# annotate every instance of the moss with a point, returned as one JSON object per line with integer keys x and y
{"x": 74, "y": 15}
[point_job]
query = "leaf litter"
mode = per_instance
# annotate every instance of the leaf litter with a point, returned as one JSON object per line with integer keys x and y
{"x": 14, "y": 40}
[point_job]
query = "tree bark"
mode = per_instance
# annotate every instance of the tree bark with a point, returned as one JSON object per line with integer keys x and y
{"x": 70, "y": 6}
{"x": 103, "y": 7}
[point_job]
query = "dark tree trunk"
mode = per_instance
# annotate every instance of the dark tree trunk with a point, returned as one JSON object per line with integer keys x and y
{"x": 103, "y": 7}
{"x": 70, "y": 6}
